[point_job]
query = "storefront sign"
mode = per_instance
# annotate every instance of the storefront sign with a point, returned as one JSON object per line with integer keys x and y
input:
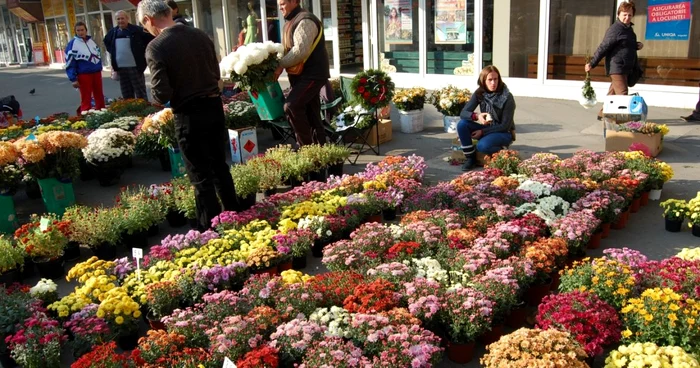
{"x": 668, "y": 20}
{"x": 451, "y": 21}
{"x": 398, "y": 21}
{"x": 115, "y": 5}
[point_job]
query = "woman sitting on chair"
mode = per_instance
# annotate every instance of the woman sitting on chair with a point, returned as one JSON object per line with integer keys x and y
{"x": 494, "y": 125}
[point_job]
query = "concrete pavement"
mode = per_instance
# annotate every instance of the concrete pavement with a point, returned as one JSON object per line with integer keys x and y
{"x": 543, "y": 125}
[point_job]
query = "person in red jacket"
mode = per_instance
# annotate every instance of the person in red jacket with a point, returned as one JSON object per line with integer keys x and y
{"x": 84, "y": 68}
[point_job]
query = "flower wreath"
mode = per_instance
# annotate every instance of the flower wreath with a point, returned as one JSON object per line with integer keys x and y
{"x": 372, "y": 88}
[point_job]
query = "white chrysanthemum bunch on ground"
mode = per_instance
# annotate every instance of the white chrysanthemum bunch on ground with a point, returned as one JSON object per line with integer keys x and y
{"x": 106, "y": 144}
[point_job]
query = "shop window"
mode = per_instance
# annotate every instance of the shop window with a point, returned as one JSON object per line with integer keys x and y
{"x": 671, "y": 53}
{"x": 79, "y": 6}
{"x": 211, "y": 21}
{"x": 108, "y": 25}
{"x": 185, "y": 9}
{"x": 92, "y": 5}
{"x": 450, "y": 37}
{"x": 274, "y": 31}
{"x": 98, "y": 34}
{"x": 576, "y": 28}
{"x": 398, "y": 35}
{"x": 328, "y": 30}
{"x": 511, "y": 36}
{"x": 240, "y": 12}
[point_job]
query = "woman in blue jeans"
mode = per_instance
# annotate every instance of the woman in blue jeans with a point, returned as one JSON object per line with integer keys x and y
{"x": 493, "y": 125}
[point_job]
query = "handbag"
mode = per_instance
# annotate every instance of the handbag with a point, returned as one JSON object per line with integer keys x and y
{"x": 636, "y": 74}
{"x": 297, "y": 69}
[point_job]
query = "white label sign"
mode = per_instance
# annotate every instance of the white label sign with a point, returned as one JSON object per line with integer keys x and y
{"x": 137, "y": 252}
{"x": 228, "y": 363}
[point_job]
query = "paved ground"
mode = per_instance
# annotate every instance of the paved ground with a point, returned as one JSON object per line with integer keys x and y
{"x": 543, "y": 125}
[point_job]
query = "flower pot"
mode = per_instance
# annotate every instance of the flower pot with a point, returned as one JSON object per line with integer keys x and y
{"x": 72, "y": 251}
{"x": 517, "y": 316}
{"x": 51, "y": 268}
{"x": 272, "y": 271}
{"x": 128, "y": 342}
{"x": 460, "y": 353}
{"x": 8, "y": 215}
{"x": 594, "y": 241}
{"x": 636, "y": 203}
{"x": 491, "y": 335}
{"x": 619, "y": 224}
{"x": 374, "y": 218}
{"x": 193, "y": 223}
{"x": 32, "y": 189}
{"x": 556, "y": 278}
{"x": 389, "y": 214}
{"x": 138, "y": 239}
{"x": 673, "y": 225}
{"x": 655, "y": 194}
{"x": 9, "y": 277}
{"x": 154, "y": 322}
{"x": 57, "y": 194}
{"x": 176, "y": 218}
{"x": 153, "y": 230}
{"x": 319, "y": 175}
{"x": 164, "y": 159}
{"x": 28, "y": 271}
{"x": 536, "y": 292}
{"x": 105, "y": 251}
{"x": 695, "y": 230}
{"x": 299, "y": 263}
{"x": 284, "y": 266}
{"x": 336, "y": 170}
{"x": 269, "y": 102}
{"x": 605, "y": 230}
{"x": 411, "y": 121}
{"x": 450, "y": 123}
{"x": 644, "y": 199}
{"x": 247, "y": 202}
{"x": 87, "y": 172}
{"x": 317, "y": 248}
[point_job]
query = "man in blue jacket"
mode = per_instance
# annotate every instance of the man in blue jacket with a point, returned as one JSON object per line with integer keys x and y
{"x": 84, "y": 68}
{"x": 126, "y": 44}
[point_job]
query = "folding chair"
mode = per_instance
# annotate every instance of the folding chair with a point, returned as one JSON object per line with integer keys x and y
{"x": 357, "y": 139}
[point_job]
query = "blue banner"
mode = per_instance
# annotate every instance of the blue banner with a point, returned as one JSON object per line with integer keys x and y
{"x": 668, "y": 20}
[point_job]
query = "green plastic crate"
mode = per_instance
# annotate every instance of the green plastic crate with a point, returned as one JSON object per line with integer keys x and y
{"x": 177, "y": 164}
{"x": 57, "y": 194}
{"x": 269, "y": 102}
{"x": 8, "y": 215}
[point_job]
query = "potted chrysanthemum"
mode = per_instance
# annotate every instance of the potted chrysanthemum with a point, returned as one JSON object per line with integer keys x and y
{"x": 450, "y": 101}
{"x": 108, "y": 151}
{"x": 252, "y": 67}
{"x": 410, "y": 103}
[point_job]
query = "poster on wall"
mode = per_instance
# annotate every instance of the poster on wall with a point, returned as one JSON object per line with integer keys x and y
{"x": 398, "y": 18}
{"x": 450, "y": 21}
{"x": 668, "y": 20}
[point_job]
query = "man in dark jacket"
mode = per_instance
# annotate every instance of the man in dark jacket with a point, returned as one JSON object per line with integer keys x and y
{"x": 126, "y": 44}
{"x": 619, "y": 48}
{"x": 177, "y": 17}
{"x": 193, "y": 93}
{"x": 306, "y": 61}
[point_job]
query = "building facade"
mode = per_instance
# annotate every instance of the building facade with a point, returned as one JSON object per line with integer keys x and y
{"x": 539, "y": 45}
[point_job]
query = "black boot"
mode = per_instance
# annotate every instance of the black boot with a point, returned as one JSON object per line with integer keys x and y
{"x": 470, "y": 161}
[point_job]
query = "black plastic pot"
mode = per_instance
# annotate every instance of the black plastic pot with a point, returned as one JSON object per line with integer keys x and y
{"x": 72, "y": 251}
{"x": 176, "y": 219}
{"x": 673, "y": 225}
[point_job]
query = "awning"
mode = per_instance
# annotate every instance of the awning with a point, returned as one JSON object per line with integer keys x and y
{"x": 115, "y": 5}
{"x": 29, "y": 10}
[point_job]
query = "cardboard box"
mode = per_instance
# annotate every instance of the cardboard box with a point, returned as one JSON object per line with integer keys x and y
{"x": 244, "y": 144}
{"x": 621, "y": 141}
{"x": 384, "y": 127}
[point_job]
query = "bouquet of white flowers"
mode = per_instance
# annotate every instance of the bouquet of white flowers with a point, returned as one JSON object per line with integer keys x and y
{"x": 252, "y": 65}
{"x": 45, "y": 290}
{"x": 547, "y": 208}
{"x": 107, "y": 144}
{"x": 353, "y": 117}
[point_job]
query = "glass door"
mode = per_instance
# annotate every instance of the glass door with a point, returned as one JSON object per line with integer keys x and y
{"x": 327, "y": 12}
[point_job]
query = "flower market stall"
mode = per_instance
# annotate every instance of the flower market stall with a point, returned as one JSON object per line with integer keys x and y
{"x": 453, "y": 271}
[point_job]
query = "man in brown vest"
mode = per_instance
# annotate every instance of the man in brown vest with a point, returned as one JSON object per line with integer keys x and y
{"x": 306, "y": 61}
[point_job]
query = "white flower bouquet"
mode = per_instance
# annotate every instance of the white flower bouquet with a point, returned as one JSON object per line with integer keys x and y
{"x": 336, "y": 319}
{"x": 429, "y": 268}
{"x": 46, "y": 290}
{"x": 353, "y": 117}
{"x": 252, "y": 65}
{"x": 108, "y": 144}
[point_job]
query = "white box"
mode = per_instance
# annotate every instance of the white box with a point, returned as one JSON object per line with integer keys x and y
{"x": 622, "y": 109}
{"x": 243, "y": 143}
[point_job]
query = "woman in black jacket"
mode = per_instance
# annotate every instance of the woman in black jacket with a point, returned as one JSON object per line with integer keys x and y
{"x": 619, "y": 48}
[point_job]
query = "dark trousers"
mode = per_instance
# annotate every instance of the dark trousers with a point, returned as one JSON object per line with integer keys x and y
{"x": 202, "y": 136}
{"x": 696, "y": 113}
{"x": 303, "y": 110}
{"x": 132, "y": 83}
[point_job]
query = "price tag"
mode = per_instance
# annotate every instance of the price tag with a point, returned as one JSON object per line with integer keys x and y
{"x": 137, "y": 252}
{"x": 228, "y": 363}
{"x": 44, "y": 223}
